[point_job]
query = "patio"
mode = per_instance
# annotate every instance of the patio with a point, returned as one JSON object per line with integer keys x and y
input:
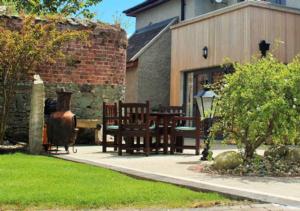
{"x": 177, "y": 169}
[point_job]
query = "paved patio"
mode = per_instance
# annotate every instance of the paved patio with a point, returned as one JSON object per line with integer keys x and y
{"x": 176, "y": 169}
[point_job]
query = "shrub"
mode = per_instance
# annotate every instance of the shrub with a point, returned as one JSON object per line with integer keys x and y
{"x": 259, "y": 104}
{"x": 23, "y": 49}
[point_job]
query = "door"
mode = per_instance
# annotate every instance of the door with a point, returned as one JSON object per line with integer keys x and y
{"x": 194, "y": 82}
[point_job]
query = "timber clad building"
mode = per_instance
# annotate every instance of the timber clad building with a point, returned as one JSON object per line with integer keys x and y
{"x": 179, "y": 45}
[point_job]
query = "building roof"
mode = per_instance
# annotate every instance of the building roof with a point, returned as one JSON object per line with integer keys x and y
{"x": 144, "y": 37}
{"x": 147, "y": 4}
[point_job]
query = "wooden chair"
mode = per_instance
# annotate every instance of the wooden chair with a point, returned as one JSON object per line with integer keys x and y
{"x": 166, "y": 132}
{"x": 186, "y": 127}
{"x": 110, "y": 125}
{"x": 135, "y": 122}
{"x": 172, "y": 109}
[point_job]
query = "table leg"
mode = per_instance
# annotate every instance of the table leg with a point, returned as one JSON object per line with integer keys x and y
{"x": 166, "y": 135}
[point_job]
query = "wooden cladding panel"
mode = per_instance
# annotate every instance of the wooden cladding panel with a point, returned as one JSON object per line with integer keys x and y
{"x": 234, "y": 35}
{"x": 292, "y": 36}
{"x": 268, "y": 25}
{"x": 225, "y": 36}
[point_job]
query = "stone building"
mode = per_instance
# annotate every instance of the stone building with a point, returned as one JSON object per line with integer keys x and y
{"x": 149, "y": 49}
{"x": 151, "y": 52}
{"x": 93, "y": 72}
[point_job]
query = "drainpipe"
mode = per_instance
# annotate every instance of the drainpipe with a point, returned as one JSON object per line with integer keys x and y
{"x": 183, "y": 5}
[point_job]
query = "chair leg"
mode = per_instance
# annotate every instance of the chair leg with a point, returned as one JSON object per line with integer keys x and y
{"x": 129, "y": 141}
{"x": 179, "y": 142}
{"x": 119, "y": 138}
{"x": 115, "y": 143}
{"x": 173, "y": 139}
{"x": 147, "y": 145}
{"x": 104, "y": 142}
{"x": 197, "y": 145}
{"x": 157, "y": 143}
{"x": 138, "y": 143}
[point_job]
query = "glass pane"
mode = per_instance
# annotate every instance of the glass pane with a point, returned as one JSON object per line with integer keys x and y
{"x": 207, "y": 102}
{"x": 201, "y": 80}
{"x": 189, "y": 94}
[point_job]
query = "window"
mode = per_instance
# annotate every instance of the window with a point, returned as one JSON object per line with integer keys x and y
{"x": 283, "y": 2}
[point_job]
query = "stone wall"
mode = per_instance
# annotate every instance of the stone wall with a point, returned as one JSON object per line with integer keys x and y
{"x": 154, "y": 72}
{"x": 131, "y": 85}
{"x": 93, "y": 72}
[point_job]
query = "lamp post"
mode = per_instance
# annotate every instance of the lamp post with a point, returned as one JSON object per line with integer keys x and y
{"x": 205, "y": 101}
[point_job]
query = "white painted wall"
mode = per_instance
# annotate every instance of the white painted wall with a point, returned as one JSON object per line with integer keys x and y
{"x": 293, "y": 3}
{"x": 205, "y": 6}
{"x": 159, "y": 13}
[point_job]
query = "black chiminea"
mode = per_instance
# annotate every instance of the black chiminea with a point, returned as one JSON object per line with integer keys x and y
{"x": 61, "y": 130}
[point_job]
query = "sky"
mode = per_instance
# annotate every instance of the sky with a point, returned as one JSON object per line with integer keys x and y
{"x": 110, "y": 10}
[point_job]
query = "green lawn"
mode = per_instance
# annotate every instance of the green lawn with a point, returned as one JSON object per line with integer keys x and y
{"x": 44, "y": 182}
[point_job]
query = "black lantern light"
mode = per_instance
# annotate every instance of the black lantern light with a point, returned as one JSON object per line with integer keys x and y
{"x": 205, "y": 101}
{"x": 205, "y": 52}
{"x": 264, "y": 47}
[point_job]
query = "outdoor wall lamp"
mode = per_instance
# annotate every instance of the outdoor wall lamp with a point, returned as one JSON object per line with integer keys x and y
{"x": 264, "y": 47}
{"x": 205, "y": 52}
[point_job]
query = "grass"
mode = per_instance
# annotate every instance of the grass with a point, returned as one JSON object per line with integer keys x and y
{"x": 45, "y": 182}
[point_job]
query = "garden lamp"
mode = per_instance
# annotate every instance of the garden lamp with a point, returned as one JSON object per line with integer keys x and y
{"x": 205, "y": 101}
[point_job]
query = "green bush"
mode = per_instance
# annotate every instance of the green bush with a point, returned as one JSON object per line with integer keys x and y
{"x": 260, "y": 103}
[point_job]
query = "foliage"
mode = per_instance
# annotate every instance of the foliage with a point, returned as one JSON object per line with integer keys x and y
{"x": 47, "y": 183}
{"x": 10, "y": 7}
{"x": 22, "y": 50}
{"x": 271, "y": 165}
{"x": 64, "y": 7}
{"x": 259, "y": 104}
{"x": 278, "y": 161}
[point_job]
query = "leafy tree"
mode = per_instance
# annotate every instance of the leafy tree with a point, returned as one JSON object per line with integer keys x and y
{"x": 22, "y": 50}
{"x": 10, "y": 7}
{"x": 65, "y": 7}
{"x": 260, "y": 103}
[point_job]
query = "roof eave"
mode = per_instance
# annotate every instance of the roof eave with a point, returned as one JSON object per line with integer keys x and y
{"x": 132, "y": 12}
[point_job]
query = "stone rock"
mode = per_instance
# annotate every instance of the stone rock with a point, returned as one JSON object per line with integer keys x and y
{"x": 293, "y": 155}
{"x": 228, "y": 160}
{"x": 277, "y": 152}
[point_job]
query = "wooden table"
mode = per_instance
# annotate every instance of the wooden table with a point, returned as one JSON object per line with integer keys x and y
{"x": 165, "y": 118}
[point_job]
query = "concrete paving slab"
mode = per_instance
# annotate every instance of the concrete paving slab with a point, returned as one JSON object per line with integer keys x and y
{"x": 252, "y": 207}
{"x": 175, "y": 169}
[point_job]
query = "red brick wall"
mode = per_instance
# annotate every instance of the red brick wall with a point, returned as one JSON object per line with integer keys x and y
{"x": 102, "y": 62}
